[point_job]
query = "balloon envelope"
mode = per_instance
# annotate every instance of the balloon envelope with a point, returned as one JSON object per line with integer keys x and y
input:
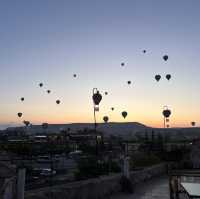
{"x": 112, "y": 108}
{"x": 22, "y": 99}
{"x": 26, "y": 123}
{"x": 165, "y": 57}
{"x": 19, "y": 114}
{"x": 144, "y": 51}
{"x": 74, "y": 75}
{"x": 106, "y": 93}
{"x": 124, "y": 114}
{"x": 193, "y": 123}
{"x": 128, "y": 82}
{"x": 166, "y": 113}
{"x": 41, "y": 84}
{"x": 122, "y": 64}
{"x": 97, "y": 97}
{"x": 105, "y": 119}
{"x": 158, "y": 77}
{"x": 168, "y": 76}
{"x": 57, "y": 101}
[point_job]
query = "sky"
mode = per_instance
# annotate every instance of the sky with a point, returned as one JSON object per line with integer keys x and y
{"x": 48, "y": 41}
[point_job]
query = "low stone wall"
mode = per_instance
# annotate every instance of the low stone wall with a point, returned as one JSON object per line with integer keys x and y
{"x": 99, "y": 188}
{"x": 148, "y": 173}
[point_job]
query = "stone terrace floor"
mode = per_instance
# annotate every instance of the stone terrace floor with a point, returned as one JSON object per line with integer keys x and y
{"x": 152, "y": 189}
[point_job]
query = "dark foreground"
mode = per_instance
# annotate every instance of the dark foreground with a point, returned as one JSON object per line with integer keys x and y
{"x": 152, "y": 189}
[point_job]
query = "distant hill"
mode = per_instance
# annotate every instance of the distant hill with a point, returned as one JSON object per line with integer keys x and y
{"x": 180, "y": 133}
{"x": 125, "y": 130}
{"x": 121, "y": 129}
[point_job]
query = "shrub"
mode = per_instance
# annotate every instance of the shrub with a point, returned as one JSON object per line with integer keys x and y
{"x": 90, "y": 167}
{"x": 143, "y": 160}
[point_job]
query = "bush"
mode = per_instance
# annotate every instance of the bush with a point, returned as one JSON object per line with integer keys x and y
{"x": 143, "y": 160}
{"x": 87, "y": 168}
{"x": 90, "y": 167}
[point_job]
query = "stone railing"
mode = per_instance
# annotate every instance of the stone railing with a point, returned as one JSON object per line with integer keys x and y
{"x": 98, "y": 188}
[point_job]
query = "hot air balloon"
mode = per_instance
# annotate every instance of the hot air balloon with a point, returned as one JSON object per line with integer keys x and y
{"x": 168, "y": 76}
{"x": 165, "y": 57}
{"x": 122, "y": 64}
{"x": 74, "y": 75}
{"x": 48, "y": 91}
{"x": 97, "y": 97}
{"x": 26, "y": 123}
{"x": 193, "y": 123}
{"x": 41, "y": 85}
{"x": 57, "y": 101}
{"x": 144, "y": 51}
{"x": 19, "y": 114}
{"x": 45, "y": 125}
{"x": 22, "y": 99}
{"x": 112, "y": 108}
{"x": 158, "y": 77}
{"x": 168, "y": 126}
{"x": 105, "y": 119}
{"x": 167, "y": 120}
{"x": 124, "y": 114}
{"x": 166, "y": 113}
{"x": 129, "y": 82}
{"x": 106, "y": 93}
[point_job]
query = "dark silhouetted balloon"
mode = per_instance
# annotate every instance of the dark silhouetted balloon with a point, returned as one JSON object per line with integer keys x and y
{"x": 105, "y": 119}
{"x": 144, "y": 51}
{"x": 165, "y": 57}
{"x": 168, "y": 76}
{"x": 45, "y": 125}
{"x": 74, "y": 75}
{"x": 41, "y": 85}
{"x": 157, "y": 77}
{"x": 122, "y": 64}
{"x": 22, "y": 99}
{"x": 26, "y": 123}
{"x": 106, "y": 93}
{"x": 193, "y": 123}
{"x": 167, "y": 120}
{"x": 112, "y": 108}
{"x": 129, "y": 82}
{"x": 57, "y": 101}
{"x": 124, "y": 114}
{"x": 166, "y": 113}
{"x": 19, "y": 114}
{"x": 168, "y": 126}
{"x": 48, "y": 91}
{"x": 97, "y": 97}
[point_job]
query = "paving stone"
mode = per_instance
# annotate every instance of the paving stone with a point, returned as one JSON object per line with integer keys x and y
{"x": 153, "y": 189}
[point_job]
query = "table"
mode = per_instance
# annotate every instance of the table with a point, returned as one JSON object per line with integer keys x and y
{"x": 191, "y": 189}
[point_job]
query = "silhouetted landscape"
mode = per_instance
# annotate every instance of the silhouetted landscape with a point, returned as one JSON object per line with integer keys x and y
{"x": 125, "y": 130}
{"x": 99, "y": 99}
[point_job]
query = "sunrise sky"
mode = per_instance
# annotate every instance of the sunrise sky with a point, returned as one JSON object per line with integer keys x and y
{"x": 48, "y": 41}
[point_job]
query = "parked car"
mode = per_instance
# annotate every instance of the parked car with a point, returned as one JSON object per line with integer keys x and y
{"x": 47, "y": 172}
